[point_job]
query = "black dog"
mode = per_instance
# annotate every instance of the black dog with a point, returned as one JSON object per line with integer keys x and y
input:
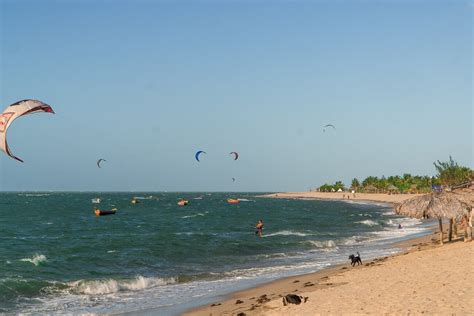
{"x": 355, "y": 259}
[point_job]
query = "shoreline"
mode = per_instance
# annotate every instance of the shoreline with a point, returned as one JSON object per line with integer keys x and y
{"x": 254, "y": 301}
{"x": 267, "y": 298}
{"x": 342, "y": 196}
{"x": 297, "y": 284}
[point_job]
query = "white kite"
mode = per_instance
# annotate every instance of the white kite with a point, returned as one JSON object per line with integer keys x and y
{"x": 14, "y": 111}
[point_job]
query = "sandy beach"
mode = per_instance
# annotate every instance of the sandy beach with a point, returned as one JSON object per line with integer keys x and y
{"x": 426, "y": 279}
{"x": 374, "y": 197}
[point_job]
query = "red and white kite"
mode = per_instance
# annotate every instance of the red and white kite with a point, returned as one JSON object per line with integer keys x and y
{"x": 14, "y": 111}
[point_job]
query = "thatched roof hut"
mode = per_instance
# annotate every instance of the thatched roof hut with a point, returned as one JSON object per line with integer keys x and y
{"x": 465, "y": 195}
{"x": 393, "y": 189}
{"x": 435, "y": 205}
{"x": 370, "y": 189}
{"x": 414, "y": 207}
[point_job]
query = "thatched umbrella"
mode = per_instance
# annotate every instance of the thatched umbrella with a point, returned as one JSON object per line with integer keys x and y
{"x": 370, "y": 189}
{"x": 391, "y": 188}
{"x": 434, "y": 205}
{"x": 465, "y": 195}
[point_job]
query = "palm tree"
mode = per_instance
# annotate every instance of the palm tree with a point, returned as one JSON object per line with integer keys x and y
{"x": 355, "y": 184}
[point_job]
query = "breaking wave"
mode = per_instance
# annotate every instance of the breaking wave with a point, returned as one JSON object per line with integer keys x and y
{"x": 326, "y": 244}
{"x": 36, "y": 259}
{"x": 190, "y": 216}
{"x": 109, "y": 286}
{"x": 286, "y": 233}
{"x": 368, "y": 222}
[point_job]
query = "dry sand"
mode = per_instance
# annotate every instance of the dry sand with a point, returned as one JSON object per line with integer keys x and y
{"x": 426, "y": 279}
{"x": 375, "y": 197}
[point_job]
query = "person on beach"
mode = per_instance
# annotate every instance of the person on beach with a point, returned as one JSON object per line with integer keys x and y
{"x": 259, "y": 228}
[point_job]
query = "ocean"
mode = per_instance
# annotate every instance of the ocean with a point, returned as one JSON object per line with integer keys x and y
{"x": 156, "y": 257}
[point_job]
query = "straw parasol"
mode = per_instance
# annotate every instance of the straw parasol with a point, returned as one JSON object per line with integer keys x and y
{"x": 435, "y": 205}
{"x": 370, "y": 189}
{"x": 392, "y": 188}
{"x": 465, "y": 195}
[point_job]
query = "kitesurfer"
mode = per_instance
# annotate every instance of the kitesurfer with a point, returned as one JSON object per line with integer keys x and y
{"x": 259, "y": 228}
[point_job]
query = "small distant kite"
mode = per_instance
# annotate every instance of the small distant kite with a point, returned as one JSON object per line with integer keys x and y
{"x": 99, "y": 161}
{"x": 328, "y": 125}
{"x": 233, "y": 179}
{"x": 198, "y": 154}
{"x": 236, "y": 155}
{"x": 12, "y": 112}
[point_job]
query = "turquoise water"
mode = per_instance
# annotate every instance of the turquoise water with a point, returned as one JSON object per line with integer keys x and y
{"x": 57, "y": 257}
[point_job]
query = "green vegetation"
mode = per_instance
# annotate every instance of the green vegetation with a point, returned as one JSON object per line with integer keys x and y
{"x": 332, "y": 187}
{"x": 449, "y": 174}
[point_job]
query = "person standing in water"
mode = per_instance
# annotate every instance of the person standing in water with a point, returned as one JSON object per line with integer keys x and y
{"x": 259, "y": 228}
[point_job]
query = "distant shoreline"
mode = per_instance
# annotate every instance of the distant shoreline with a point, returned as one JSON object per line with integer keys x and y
{"x": 343, "y": 196}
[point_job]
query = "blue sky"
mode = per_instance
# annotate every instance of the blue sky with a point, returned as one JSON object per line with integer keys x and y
{"x": 145, "y": 84}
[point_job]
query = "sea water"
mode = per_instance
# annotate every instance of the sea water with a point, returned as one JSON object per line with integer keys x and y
{"x": 156, "y": 257}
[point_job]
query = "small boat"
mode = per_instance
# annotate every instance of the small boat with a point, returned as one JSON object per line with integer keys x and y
{"x": 103, "y": 213}
{"x": 183, "y": 202}
{"x": 233, "y": 201}
{"x": 143, "y": 197}
{"x": 135, "y": 201}
{"x": 96, "y": 200}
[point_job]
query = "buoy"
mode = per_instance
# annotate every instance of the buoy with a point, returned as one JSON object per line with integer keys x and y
{"x": 183, "y": 202}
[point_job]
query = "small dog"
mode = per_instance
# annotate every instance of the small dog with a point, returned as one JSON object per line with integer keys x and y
{"x": 355, "y": 259}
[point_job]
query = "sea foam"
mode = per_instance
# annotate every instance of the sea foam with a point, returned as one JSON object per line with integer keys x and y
{"x": 286, "y": 233}
{"x": 36, "y": 259}
{"x": 109, "y": 286}
{"x": 326, "y": 244}
{"x": 368, "y": 222}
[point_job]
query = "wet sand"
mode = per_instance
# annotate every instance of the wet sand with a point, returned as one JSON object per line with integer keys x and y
{"x": 427, "y": 278}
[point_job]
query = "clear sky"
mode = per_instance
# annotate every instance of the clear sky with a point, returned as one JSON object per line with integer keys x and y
{"x": 145, "y": 84}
